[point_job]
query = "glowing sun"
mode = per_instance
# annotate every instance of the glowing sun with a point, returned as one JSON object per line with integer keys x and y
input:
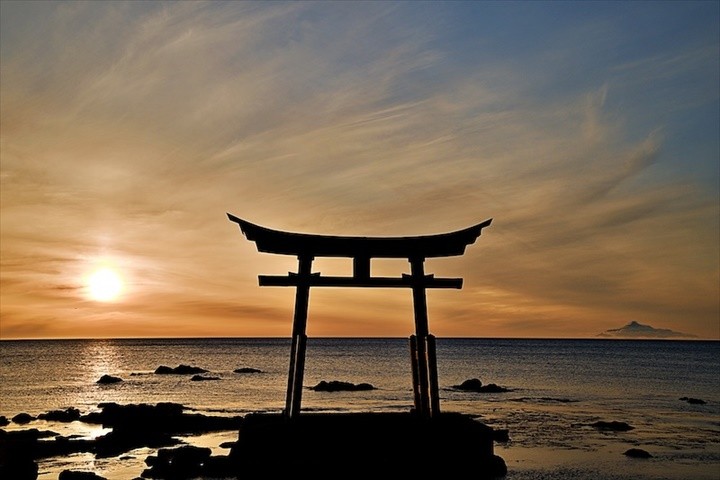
{"x": 104, "y": 285}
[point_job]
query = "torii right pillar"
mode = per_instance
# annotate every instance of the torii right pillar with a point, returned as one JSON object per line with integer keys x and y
{"x": 422, "y": 348}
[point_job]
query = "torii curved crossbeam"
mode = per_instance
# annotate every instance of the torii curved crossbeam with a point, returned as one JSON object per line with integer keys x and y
{"x": 424, "y": 246}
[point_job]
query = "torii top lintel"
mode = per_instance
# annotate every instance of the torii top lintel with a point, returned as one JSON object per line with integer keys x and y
{"x": 309, "y": 245}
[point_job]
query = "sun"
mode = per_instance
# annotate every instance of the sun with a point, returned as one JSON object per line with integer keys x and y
{"x": 104, "y": 285}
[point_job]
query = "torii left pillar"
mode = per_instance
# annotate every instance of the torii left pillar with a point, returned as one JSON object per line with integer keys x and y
{"x": 422, "y": 348}
{"x": 293, "y": 398}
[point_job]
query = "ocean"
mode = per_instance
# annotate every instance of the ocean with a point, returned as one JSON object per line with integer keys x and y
{"x": 557, "y": 389}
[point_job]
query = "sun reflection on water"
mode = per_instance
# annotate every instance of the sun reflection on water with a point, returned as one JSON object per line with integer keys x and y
{"x": 99, "y": 358}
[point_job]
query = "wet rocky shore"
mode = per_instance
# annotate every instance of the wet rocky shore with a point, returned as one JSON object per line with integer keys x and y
{"x": 323, "y": 444}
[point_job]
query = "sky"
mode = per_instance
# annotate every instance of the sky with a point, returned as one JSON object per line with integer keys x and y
{"x": 588, "y": 132}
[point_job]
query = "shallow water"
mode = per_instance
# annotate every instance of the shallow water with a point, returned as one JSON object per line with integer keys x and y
{"x": 558, "y": 388}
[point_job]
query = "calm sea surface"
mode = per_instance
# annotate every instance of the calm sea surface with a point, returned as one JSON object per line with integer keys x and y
{"x": 558, "y": 388}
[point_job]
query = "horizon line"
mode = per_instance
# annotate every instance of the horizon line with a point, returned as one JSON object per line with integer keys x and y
{"x": 355, "y": 337}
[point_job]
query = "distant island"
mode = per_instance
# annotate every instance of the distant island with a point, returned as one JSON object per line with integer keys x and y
{"x": 638, "y": 330}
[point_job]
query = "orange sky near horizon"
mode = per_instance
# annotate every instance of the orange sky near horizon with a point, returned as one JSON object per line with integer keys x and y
{"x": 588, "y": 133}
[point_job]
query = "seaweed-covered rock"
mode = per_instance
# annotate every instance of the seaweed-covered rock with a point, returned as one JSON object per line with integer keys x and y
{"x": 475, "y": 385}
{"x": 177, "y": 463}
{"x": 120, "y": 441}
{"x": 133, "y": 426}
{"x": 637, "y": 453}
{"x": 338, "y": 386}
{"x": 200, "y": 378}
{"x": 155, "y": 426}
{"x": 23, "y": 418}
{"x": 68, "y": 415}
{"x": 163, "y": 417}
{"x": 19, "y": 469}
{"x": 17, "y": 466}
{"x": 179, "y": 370}
{"x": 247, "y": 370}
{"x": 77, "y": 475}
{"x": 613, "y": 426}
{"x": 17, "y": 459}
{"x": 108, "y": 379}
{"x": 164, "y": 370}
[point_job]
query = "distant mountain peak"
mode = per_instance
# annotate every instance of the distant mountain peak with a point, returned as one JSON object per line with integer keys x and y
{"x": 635, "y": 329}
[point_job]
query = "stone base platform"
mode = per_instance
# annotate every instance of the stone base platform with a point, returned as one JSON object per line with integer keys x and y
{"x": 352, "y": 445}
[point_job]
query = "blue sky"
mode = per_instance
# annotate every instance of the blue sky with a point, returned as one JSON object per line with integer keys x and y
{"x": 587, "y": 130}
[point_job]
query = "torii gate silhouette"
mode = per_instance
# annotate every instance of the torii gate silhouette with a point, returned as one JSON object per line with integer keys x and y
{"x": 307, "y": 247}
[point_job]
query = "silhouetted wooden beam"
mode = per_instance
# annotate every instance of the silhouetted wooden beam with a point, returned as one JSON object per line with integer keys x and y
{"x": 315, "y": 280}
{"x": 302, "y": 244}
{"x": 418, "y": 278}
{"x": 417, "y": 399}
{"x": 296, "y": 369}
{"x": 433, "y": 376}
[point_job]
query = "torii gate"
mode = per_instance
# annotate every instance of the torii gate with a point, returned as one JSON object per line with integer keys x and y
{"x": 361, "y": 249}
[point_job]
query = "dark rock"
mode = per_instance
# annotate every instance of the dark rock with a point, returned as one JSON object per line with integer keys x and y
{"x": 118, "y": 442}
{"x": 501, "y": 435}
{"x": 637, "y": 453}
{"x": 247, "y": 370}
{"x": 4, "y": 421}
{"x": 695, "y": 401}
{"x": 18, "y": 468}
{"x": 493, "y": 388}
{"x": 164, "y": 370}
{"x": 200, "y": 378}
{"x": 612, "y": 426}
{"x": 218, "y": 467}
{"x": 133, "y": 426}
{"x": 23, "y": 418}
{"x": 179, "y": 370}
{"x": 475, "y": 385}
{"x": 17, "y": 460}
{"x": 34, "y": 432}
{"x": 68, "y": 415}
{"x": 138, "y": 425}
{"x": 24, "y": 438}
{"x": 227, "y": 444}
{"x": 60, "y": 446}
{"x": 108, "y": 379}
{"x": 76, "y": 475}
{"x": 132, "y": 416}
{"x": 337, "y": 386}
{"x": 178, "y": 463}
{"x": 188, "y": 370}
